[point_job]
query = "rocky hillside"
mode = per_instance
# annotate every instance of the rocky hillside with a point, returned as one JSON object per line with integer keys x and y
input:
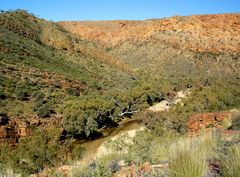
{"x": 67, "y": 82}
{"x": 164, "y": 48}
{"x": 210, "y": 33}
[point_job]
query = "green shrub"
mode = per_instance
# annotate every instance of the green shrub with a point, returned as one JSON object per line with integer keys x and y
{"x": 72, "y": 91}
{"x": 38, "y": 95}
{"x": 44, "y": 111}
{"x": 37, "y": 105}
{"x": 73, "y": 123}
{"x": 91, "y": 126}
{"x": 34, "y": 153}
{"x": 162, "y": 123}
{"x": 236, "y": 122}
{"x": 21, "y": 95}
{"x": 77, "y": 152}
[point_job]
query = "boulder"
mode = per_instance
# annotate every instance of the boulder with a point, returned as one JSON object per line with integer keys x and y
{"x": 14, "y": 129}
{"x": 206, "y": 121}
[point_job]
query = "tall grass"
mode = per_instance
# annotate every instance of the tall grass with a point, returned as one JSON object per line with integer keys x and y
{"x": 231, "y": 162}
{"x": 189, "y": 156}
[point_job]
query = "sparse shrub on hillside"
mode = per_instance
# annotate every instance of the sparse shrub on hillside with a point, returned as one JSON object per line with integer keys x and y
{"x": 38, "y": 104}
{"x": 72, "y": 91}
{"x": 162, "y": 123}
{"x": 77, "y": 152}
{"x": 38, "y": 95}
{"x": 235, "y": 122}
{"x": 57, "y": 84}
{"x": 3, "y": 118}
{"x": 34, "y": 153}
{"x": 44, "y": 110}
{"x": 21, "y": 95}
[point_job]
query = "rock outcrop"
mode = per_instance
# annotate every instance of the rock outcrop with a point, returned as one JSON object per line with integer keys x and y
{"x": 11, "y": 131}
{"x": 206, "y": 122}
{"x": 204, "y": 33}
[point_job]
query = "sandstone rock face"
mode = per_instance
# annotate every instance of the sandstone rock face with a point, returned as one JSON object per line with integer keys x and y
{"x": 13, "y": 130}
{"x": 204, "y": 33}
{"x": 206, "y": 121}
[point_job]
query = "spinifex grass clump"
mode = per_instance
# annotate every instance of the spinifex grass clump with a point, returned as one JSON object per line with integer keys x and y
{"x": 189, "y": 156}
{"x": 231, "y": 162}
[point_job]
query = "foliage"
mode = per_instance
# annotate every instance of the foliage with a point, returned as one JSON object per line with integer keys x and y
{"x": 99, "y": 170}
{"x": 189, "y": 156}
{"x": 21, "y": 95}
{"x": 37, "y": 105}
{"x": 72, "y": 92}
{"x": 236, "y": 122}
{"x": 33, "y": 153}
{"x": 38, "y": 95}
{"x": 78, "y": 152}
{"x": 164, "y": 123}
{"x": 41, "y": 59}
{"x": 231, "y": 161}
{"x": 186, "y": 164}
{"x": 44, "y": 110}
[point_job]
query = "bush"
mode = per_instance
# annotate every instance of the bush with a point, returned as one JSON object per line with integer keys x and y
{"x": 37, "y": 105}
{"x": 72, "y": 91}
{"x": 38, "y": 95}
{"x": 91, "y": 126}
{"x": 164, "y": 122}
{"x": 44, "y": 111}
{"x": 21, "y": 95}
{"x": 34, "y": 153}
{"x": 77, "y": 152}
{"x": 236, "y": 122}
{"x": 73, "y": 123}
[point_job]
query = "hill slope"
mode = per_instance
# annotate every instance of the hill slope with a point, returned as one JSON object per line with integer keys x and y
{"x": 61, "y": 85}
{"x": 177, "y": 48}
{"x": 198, "y": 33}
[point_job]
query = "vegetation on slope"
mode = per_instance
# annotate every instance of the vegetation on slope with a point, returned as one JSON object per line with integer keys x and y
{"x": 50, "y": 76}
{"x": 72, "y": 89}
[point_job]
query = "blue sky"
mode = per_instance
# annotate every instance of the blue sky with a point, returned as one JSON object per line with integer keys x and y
{"x": 57, "y": 10}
